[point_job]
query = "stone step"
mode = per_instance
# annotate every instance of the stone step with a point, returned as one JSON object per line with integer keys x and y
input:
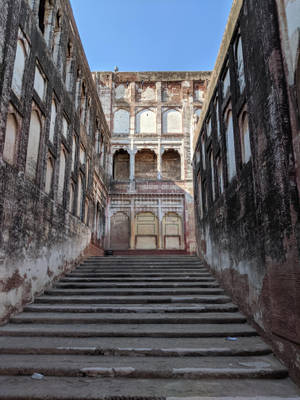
{"x": 208, "y": 299}
{"x": 139, "y": 308}
{"x": 129, "y": 330}
{"x": 113, "y": 318}
{"x": 79, "y": 284}
{"x": 168, "y": 347}
{"x": 83, "y": 278}
{"x": 141, "y": 275}
{"x": 136, "y": 367}
{"x": 85, "y": 268}
{"x": 84, "y": 388}
{"x": 132, "y": 292}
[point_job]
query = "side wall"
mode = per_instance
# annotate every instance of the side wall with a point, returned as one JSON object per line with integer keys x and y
{"x": 53, "y": 190}
{"x": 247, "y": 209}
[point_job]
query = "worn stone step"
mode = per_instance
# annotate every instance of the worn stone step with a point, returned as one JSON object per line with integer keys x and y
{"x": 129, "y": 330}
{"x": 132, "y": 292}
{"x": 208, "y": 299}
{"x": 78, "y": 284}
{"x": 95, "y": 318}
{"x": 169, "y": 347}
{"x": 140, "y": 270}
{"x": 83, "y": 278}
{"x": 141, "y": 275}
{"x": 136, "y": 367}
{"x": 84, "y": 388}
{"x": 139, "y": 308}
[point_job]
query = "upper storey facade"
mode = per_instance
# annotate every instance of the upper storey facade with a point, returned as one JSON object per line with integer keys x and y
{"x": 154, "y": 111}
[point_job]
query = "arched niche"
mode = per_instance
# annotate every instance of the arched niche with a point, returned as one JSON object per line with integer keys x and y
{"x": 172, "y": 231}
{"x": 145, "y": 164}
{"x": 33, "y": 146}
{"x": 121, "y": 165}
{"x": 119, "y": 231}
{"x": 11, "y": 139}
{"x": 146, "y": 122}
{"x": 121, "y": 122}
{"x": 172, "y": 121}
{"x": 171, "y": 165}
{"x": 146, "y": 231}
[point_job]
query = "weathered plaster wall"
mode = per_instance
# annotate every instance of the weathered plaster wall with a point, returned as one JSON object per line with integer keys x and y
{"x": 248, "y": 225}
{"x": 53, "y": 188}
{"x": 162, "y": 108}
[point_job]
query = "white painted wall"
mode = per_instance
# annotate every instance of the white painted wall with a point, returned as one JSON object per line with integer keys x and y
{"x": 146, "y": 121}
{"x": 172, "y": 121}
{"x": 121, "y": 92}
{"x": 121, "y": 122}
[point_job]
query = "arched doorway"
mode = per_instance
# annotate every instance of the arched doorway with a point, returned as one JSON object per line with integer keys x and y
{"x": 172, "y": 231}
{"x": 119, "y": 231}
{"x": 146, "y": 164}
{"x": 171, "y": 165}
{"x": 146, "y": 231}
{"x": 121, "y": 163}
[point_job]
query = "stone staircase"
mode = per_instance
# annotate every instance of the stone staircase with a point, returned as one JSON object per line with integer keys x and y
{"x": 137, "y": 328}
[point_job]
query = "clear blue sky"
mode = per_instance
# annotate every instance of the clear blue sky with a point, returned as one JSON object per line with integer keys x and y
{"x": 151, "y": 35}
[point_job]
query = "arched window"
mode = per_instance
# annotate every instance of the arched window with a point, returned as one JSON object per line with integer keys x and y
{"x": 11, "y": 139}
{"x": 74, "y": 147}
{"x": 200, "y": 197}
{"x": 86, "y": 212}
{"x": 240, "y": 64}
{"x": 56, "y": 37}
{"x": 35, "y": 130}
{"x": 78, "y": 88}
{"x": 83, "y": 100}
{"x": 203, "y": 152}
{"x": 45, "y": 16}
{"x": 121, "y": 165}
{"x": 245, "y": 137}
{"x": 80, "y": 197}
{"x": 49, "y": 174}
{"x": 72, "y": 197}
{"x": 52, "y": 120}
{"x": 226, "y": 83}
{"x": 145, "y": 164}
{"x": 171, "y": 165}
{"x": 212, "y": 171}
{"x": 231, "y": 164}
{"x": 65, "y": 127}
{"x": 121, "y": 122}
{"x": 61, "y": 175}
{"x": 220, "y": 175}
{"x": 146, "y": 122}
{"x": 19, "y": 68}
{"x": 69, "y": 72}
{"x": 172, "y": 121}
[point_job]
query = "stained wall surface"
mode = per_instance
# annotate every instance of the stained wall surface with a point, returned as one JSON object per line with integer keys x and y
{"x": 246, "y": 170}
{"x": 53, "y": 180}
